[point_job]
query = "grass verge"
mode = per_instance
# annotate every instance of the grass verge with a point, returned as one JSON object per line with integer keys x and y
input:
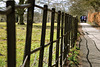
{"x": 20, "y": 43}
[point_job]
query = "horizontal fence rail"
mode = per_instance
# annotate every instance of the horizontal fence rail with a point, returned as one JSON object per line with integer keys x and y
{"x": 23, "y": 6}
{"x": 6, "y": 10}
{"x": 66, "y": 26}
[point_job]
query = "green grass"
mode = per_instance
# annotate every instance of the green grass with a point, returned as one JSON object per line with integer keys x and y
{"x": 20, "y": 43}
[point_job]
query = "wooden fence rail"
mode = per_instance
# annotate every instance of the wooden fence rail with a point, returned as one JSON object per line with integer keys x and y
{"x": 66, "y": 26}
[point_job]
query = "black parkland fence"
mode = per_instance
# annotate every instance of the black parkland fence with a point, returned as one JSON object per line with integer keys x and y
{"x": 67, "y": 26}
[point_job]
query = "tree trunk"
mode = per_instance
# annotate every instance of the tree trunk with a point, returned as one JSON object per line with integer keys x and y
{"x": 21, "y": 22}
{"x": 21, "y": 13}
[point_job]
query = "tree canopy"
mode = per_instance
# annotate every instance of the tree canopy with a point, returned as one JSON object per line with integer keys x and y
{"x": 79, "y": 7}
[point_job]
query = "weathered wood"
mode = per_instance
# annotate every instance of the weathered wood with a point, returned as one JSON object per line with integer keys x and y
{"x": 43, "y": 36}
{"x": 58, "y": 35}
{"x": 51, "y": 37}
{"x": 30, "y": 15}
{"x": 11, "y": 36}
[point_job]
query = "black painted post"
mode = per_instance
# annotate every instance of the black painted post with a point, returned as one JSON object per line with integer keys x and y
{"x": 61, "y": 48}
{"x": 58, "y": 35}
{"x": 29, "y": 32}
{"x": 11, "y": 36}
{"x": 68, "y": 33}
{"x": 71, "y": 32}
{"x": 67, "y": 46}
{"x": 70, "y": 20}
{"x": 65, "y": 37}
{"x": 76, "y": 26}
{"x": 43, "y": 36}
{"x": 74, "y": 30}
{"x": 68, "y": 39}
{"x": 51, "y": 37}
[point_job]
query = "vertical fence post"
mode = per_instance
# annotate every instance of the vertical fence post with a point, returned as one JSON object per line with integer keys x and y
{"x": 67, "y": 46}
{"x": 43, "y": 36}
{"x": 73, "y": 31}
{"x": 72, "y": 27}
{"x": 29, "y": 32}
{"x": 65, "y": 27}
{"x": 61, "y": 48}
{"x": 58, "y": 35}
{"x": 66, "y": 39}
{"x": 76, "y": 26}
{"x": 51, "y": 37}
{"x": 11, "y": 36}
{"x": 69, "y": 31}
{"x": 68, "y": 34}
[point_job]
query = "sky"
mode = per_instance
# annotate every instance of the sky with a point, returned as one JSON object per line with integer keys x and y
{"x": 2, "y": 4}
